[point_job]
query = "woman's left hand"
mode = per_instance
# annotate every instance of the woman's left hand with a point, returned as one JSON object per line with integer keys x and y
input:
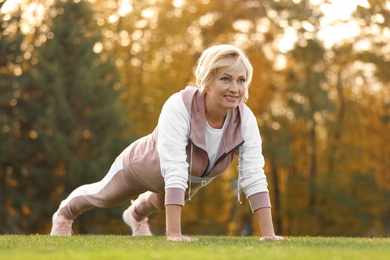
{"x": 181, "y": 238}
{"x": 272, "y": 238}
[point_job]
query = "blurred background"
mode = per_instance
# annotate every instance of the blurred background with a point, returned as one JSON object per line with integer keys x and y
{"x": 81, "y": 80}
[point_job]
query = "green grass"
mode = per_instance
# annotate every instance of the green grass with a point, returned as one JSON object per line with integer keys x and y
{"x": 208, "y": 247}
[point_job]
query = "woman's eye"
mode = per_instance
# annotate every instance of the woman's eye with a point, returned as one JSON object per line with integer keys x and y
{"x": 242, "y": 81}
{"x": 225, "y": 79}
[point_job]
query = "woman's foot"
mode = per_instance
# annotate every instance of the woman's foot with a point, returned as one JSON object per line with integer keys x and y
{"x": 61, "y": 226}
{"x": 139, "y": 228}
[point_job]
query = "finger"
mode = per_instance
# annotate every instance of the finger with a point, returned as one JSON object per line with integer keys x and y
{"x": 272, "y": 238}
{"x": 181, "y": 239}
{"x": 192, "y": 239}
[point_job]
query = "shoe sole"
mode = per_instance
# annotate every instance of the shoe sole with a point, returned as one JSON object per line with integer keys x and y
{"x": 125, "y": 217}
{"x": 53, "y": 218}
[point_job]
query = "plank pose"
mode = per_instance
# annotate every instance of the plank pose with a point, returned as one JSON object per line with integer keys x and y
{"x": 200, "y": 130}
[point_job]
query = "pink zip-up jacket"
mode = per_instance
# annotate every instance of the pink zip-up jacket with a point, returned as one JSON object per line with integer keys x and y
{"x": 173, "y": 158}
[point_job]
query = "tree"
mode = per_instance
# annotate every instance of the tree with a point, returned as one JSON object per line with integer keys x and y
{"x": 72, "y": 121}
{"x": 13, "y": 133}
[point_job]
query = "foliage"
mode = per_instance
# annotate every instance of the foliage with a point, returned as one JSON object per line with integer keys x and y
{"x": 67, "y": 124}
{"x": 13, "y": 133}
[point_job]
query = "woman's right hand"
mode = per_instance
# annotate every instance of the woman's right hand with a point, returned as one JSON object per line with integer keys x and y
{"x": 181, "y": 238}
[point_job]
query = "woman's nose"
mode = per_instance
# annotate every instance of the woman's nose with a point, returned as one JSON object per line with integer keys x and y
{"x": 233, "y": 87}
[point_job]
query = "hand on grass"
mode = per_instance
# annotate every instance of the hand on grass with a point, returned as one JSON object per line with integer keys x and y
{"x": 272, "y": 238}
{"x": 181, "y": 238}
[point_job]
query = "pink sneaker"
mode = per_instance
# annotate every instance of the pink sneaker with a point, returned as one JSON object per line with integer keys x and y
{"x": 139, "y": 228}
{"x": 61, "y": 226}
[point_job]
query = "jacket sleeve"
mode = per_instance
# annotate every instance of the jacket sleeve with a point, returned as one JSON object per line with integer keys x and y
{"x": 253, "y": 180}
{"x": 173, "y": 133}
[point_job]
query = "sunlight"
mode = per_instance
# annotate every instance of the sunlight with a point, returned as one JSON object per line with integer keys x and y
{"x": 32, "y": 14}
{"x": 338, "y": 10}
{"x": 336, "y": 24}
{"x": 288, "y": 40}
{"x": 243, "y": 26}
{"x": 9, "y": 6}
{"x": 148, "y": 13}
{"x": 332, "y": 34}
{"x": 125, "y": 8}
{"x": 178, "y": 3}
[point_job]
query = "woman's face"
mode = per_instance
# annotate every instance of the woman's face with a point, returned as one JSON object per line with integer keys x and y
{"x": 226, "y": 89}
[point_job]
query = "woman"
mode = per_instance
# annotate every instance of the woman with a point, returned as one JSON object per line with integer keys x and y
{"x": 200, "y": 130}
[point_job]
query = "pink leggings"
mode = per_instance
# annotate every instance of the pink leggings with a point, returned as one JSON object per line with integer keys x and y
{"x": 115, "y": 188}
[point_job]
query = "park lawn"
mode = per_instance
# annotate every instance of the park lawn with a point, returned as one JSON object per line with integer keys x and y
{"x": 208, "y": 247}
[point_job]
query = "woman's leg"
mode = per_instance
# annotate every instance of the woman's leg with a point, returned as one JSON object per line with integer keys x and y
{"x": 146, "y": 204}
{"x": 116, "y": 191}
{"x": 136, "y": 216}
{"x": 115, "y": 188}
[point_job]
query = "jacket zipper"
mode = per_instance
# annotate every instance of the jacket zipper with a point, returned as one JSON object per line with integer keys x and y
{"x": 223, "y": 156}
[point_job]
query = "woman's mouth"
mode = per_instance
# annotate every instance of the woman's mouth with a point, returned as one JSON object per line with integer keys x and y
{"x": 231, "y": 98}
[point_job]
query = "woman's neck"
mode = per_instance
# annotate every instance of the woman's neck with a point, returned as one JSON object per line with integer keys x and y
{"x": 215, "y": 120}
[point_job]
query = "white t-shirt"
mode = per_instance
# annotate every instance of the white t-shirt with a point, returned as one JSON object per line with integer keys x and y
{"x": 214, "y": 138}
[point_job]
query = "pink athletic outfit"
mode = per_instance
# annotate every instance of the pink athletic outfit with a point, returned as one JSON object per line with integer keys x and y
{"x": 178, "y": 158}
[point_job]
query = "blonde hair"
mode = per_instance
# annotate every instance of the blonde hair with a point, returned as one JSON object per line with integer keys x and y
{"x": 218, "y": 56}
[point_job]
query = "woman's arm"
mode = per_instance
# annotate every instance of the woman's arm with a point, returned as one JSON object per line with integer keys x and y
{"x": 253, "y": 179}
{"x": 173, "y": 224}
{"x": 173, "y": 135}
{"x": 264, "y": 217}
